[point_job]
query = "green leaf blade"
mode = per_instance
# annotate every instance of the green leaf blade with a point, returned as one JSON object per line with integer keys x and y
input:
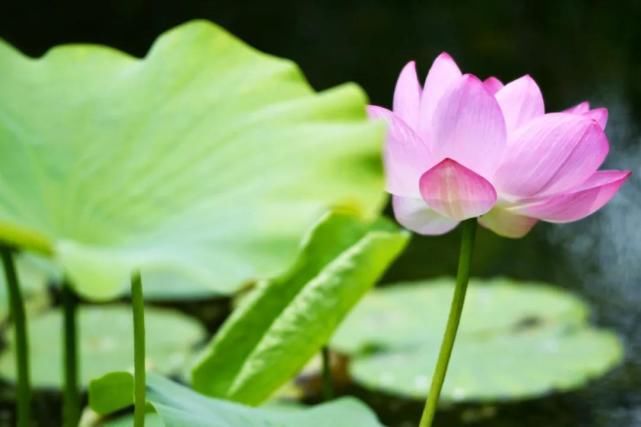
{"x": 287, "y": 320}
{"x": 181, "y": 407}
{"x": 178, "y": 406}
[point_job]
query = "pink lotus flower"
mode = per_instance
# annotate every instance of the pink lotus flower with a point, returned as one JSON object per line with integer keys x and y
{"x": 460, "y": 148}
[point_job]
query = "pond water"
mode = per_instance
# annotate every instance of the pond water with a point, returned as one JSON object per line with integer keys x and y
{"x": 576, "y": 50}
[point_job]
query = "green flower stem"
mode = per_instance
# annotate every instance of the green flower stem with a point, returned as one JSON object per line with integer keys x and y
{"x": 17, "y": 313}
{"x": 462, "y": 278}
{"x": 71, "y": 397}
{"x": 138, "y": 307}
{"x": 328, "y": 387}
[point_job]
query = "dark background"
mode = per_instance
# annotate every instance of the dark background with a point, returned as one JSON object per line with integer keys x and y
{"x": 576, "y": 50}
{"x": 567, "y": 46}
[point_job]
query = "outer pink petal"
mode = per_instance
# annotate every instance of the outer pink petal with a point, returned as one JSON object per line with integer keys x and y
{"x": 506, "y": 223}
{"x": 469, "y": 127}
{"x": 581, "y": 202}
{"x": 407, "y": 95}
{"x": 406, "y": 157}
{"x": 492, "y": 84}
{"x": 588, "y": 155}
{"x": 521, "y": 101}
{"x": 600, "y": 115}
{"x": 443, "y": 74}
{"x": 580, "y": 108}
{"x": 551, "y": 154}
{"x": 456, "y": 192}
{"x": 415, "y": 215}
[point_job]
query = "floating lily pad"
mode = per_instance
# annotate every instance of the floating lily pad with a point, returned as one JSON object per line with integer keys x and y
{"x": 516, "y": 340}
{"x": 408, "y": 314}
{"x": 204, "y": 162}
{"x": 283, "y": 323}
{"x": 106, "y": 344}
{"x": 517, "y": 366}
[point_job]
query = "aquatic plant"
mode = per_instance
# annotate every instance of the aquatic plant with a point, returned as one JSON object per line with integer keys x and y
{"x": 464, "y": 150}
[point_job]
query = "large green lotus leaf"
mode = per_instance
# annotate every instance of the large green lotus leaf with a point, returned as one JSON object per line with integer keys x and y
{"x": 203, "y": 162}
{"x": 516, "y": 340}
{"x": 169, "y": 288}
{"x": 106, "y": 343}
{"x": 279, "y": 327}
{"x": 178, "y": 406}
{"x": 406, "y": 314}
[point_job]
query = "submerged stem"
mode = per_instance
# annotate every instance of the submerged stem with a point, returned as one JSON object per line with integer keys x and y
{"x": 138, "y": 308}
{"x": 328, "y": 386}
{"x": 462, "y": 278}
{"x": 17, "y": 313}
{"x": 71, "y": 398}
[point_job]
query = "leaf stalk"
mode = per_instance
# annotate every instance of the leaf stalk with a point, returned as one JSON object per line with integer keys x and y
{"x": 138, "y": 308}
{"x": 18, "y": 317}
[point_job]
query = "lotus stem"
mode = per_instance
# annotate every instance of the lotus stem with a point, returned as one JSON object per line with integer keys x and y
{"x": 17, "y": 313}
{"x": 138, "y": 307}
{"x": 328, "y": 386}
{"x": 458, "y": 300}
{"x": 71, "y": 392}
